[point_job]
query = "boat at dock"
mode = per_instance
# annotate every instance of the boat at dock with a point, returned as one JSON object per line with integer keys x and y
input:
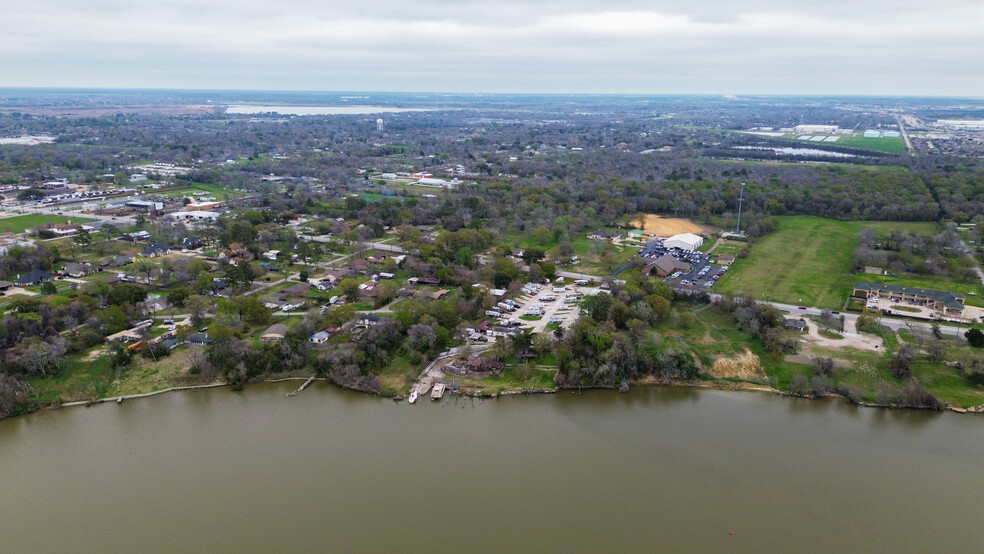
{"x": 413, "y": 396}
{"x": 438, "y": 391}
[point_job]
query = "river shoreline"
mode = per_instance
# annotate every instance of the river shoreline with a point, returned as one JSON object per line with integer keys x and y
{"x": 697, "y": 384}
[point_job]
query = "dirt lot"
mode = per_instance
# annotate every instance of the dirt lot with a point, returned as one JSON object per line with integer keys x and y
{"x": 668, "y": 226}
{"x": 851, "y": 339}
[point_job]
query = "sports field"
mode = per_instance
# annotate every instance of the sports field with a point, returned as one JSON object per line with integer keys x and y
{"x": 20, "y": 223}
{"x": 806, "y": 261}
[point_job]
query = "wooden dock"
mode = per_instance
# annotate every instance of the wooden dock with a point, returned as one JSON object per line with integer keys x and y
{"x": 438, "y": 391}
{"x": 302, "y": 387}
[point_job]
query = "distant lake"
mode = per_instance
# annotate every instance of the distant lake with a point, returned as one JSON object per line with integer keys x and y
{"x": 317, "y": 110}
{"x": 799, "y": 151}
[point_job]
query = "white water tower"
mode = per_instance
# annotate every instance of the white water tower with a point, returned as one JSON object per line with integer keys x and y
{"x": 379, "y": 125}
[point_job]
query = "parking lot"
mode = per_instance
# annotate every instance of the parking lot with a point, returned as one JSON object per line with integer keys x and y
{"x": 702, "y": 274}
{"x": 552, "y": 303}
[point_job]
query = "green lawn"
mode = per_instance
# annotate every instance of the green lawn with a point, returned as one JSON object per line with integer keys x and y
{"x": 511, "y": 379}
{"x": 889, "y": 145}
{"x": 807, "y": 260}
{"x": 20, "y": 223}
{"x": 79, "y": 378}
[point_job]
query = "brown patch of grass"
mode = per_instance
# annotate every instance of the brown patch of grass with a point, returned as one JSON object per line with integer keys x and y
{"x": 745, "y": 365}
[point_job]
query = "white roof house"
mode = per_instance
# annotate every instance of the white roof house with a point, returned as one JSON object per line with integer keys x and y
{"x": 684, "y": 241}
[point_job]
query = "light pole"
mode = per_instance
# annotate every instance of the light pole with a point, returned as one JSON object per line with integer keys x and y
{"x": 741, "y": 196}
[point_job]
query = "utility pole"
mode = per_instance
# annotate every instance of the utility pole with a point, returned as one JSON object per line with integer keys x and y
{"x": 741, "y": 196}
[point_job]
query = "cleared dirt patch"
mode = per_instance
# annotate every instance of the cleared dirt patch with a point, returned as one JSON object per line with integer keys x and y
{"x": 742, "y": 366}
{"x": 96, "y": 353}
{"x": 668, "y": 226}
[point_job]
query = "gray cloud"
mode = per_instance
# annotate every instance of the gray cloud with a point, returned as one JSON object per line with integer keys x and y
{"x": 652, "y": 46}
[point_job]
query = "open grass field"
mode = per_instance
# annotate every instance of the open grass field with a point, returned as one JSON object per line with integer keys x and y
{"x": 889, "y": 145}
{"x": 20, "y": 223}
{"x": 511, "y": 379}
{"x": 81, "y": 377}
{"x": 807, "y": 260}
{"x": 717, "y": 344}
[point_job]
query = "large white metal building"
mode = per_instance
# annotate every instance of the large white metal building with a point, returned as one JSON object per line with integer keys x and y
{"x": 684, "y": 241}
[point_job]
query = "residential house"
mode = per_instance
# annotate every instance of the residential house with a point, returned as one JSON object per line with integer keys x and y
{"x": 123, "y": 259}
{"x": 370, "y": 289}
{"x": 35, "y": 277}
{"x": 200, "y": 339}
{"x": 155, "y": 250}
{"x": 323, "y": 335}
{"x": 289, "y": 305}
{"x": 191, "y": 242}
{"x": 432, "y": 295}
{"x": 63, "y": 229}
{"x": 726, "y": 259}
{"x": 795, "y": 324}
{"x": 370, "y": 320}
{"x": 358, "y": 266}
{"x": 297, "y": 289}
{"x": 333, "y": 276}
{"x": 274, "y": 333}
{"x": 155, "y": 303}
{"x": 236, "y": 249}
{"x": 424, "y": 281}
{"x": 602, "y": 234}
{"x": 482, "y": 365}
{"x": 77, "y": 269}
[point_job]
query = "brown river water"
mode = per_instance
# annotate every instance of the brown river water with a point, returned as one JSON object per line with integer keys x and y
{"x": 657, "y": 469}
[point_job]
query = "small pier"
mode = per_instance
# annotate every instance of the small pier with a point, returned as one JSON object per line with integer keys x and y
{"x": 302, "y": 387}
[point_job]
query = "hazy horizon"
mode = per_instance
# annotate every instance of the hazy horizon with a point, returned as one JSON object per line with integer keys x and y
{"x": 748, "y": 47}
{"x": 735, "y": 96}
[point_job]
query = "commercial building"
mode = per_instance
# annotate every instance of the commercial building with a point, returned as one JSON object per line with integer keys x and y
{"x": 816, "y": 128}
{"x": 945, "y": 303}
{"x": 684, "y": 241}
{"x": 667, "y": 264}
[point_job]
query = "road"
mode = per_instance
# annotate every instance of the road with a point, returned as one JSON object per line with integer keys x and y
{"x": 905, "y": 137}
{"x": 851, "y": 319}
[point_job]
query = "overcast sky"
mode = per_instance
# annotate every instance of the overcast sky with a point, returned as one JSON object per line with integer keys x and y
{"x": 888, "y": 47}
